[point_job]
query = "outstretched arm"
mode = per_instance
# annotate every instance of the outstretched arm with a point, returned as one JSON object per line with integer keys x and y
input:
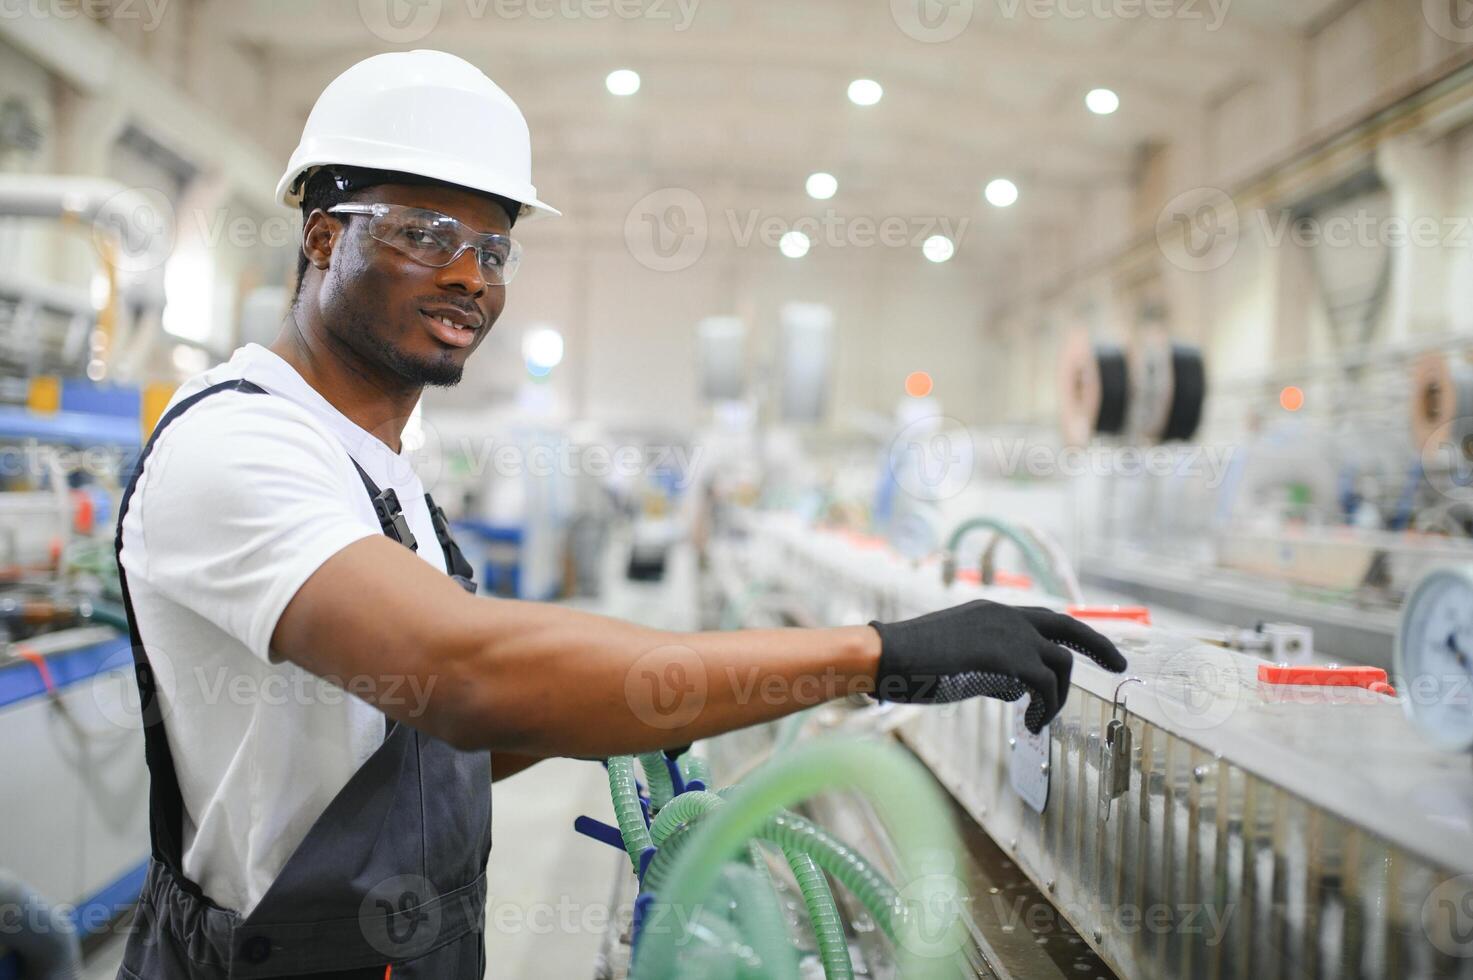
{"x": 531, "y": 678}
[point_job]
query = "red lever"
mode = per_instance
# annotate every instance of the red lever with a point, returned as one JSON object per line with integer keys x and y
{"x": 1134, "y": 614}
{"x": 1326, "y": 675}
{"x": 39, "y": 662}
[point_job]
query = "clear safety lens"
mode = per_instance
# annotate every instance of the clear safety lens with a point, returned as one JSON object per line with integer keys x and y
{"x": 436, "y": 239}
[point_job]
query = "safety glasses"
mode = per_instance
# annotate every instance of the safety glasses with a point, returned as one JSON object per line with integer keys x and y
{"x": 436, "y": 239}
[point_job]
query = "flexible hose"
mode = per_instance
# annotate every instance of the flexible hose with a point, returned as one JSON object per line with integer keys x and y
{"x": 683, "y": 809}
{"x": 823, "y": 914}
{"x": 717, "y": 951}
{"x": 1058, "y": 559}
{"x": 928, "y": 939}
{"x": 627, "y": 811}
{"x": 108, "y": 614}
{"x": 657, "y": 778}
{"x": 665, "y": 857}
{"x": 1037, "y": 561}
{"x": 806, "y": 846}
{"x": 760, "y": 920}
{"x": 874, "y": 891}
{"x": 693, "y": 766}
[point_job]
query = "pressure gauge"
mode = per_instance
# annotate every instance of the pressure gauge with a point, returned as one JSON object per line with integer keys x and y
{"x": 1434, "y": 656}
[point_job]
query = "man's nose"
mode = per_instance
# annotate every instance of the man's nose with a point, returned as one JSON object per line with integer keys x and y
{"x": 463, "y": 274}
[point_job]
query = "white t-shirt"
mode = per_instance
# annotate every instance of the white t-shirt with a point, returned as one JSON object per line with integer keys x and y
{"x": 241, "y": 500}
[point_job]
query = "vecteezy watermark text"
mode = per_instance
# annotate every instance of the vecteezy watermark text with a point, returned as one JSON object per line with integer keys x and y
{"x": 1211, "y": 13}
{"x": 1018, "y": 457}
{"x": 149, "y": 12}
{"x": 407, "y": 21}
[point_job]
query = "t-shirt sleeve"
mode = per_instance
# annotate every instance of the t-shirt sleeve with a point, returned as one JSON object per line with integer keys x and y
{"x": 241, "y": 500}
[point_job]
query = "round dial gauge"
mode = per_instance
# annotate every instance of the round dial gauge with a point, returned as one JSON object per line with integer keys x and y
{"x": 1434, "y": 657}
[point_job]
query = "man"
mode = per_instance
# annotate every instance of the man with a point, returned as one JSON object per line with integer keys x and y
{"x": 275, "y": 536}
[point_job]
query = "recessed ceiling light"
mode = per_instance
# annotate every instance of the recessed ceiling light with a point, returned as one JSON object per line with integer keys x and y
{"x": 1001, "y": 192}
{"x": 938, "y": 248}
{"x": 1101, "y": 101}
{"x": 623, "y": 81}
{"x": 821, "y": 186}
{"x": 865, "y": 91}
{"x": 794, "y": 244}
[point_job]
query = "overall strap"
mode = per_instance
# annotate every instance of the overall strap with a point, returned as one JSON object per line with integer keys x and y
{"x": 166, "y": 803}
{"x": 455, "y": 561}
{"x": 391, "y": 518}
{"x": 386, "y": 508}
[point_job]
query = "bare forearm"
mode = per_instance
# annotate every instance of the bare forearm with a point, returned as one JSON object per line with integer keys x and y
{"x": 559, "y": 682}
{"x": 536, "y": 679}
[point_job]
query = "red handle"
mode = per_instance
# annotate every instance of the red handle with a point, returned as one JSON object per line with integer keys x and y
{"x": 1134, "y": 614}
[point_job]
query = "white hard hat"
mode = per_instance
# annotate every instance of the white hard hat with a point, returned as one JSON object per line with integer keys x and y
{"x": 425, "y": 113}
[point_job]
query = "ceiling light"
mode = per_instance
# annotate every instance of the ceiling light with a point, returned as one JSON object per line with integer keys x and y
{"x": 624, "y": 81}
{"x": 1001, "y": 192}
{"x": 865, "y": 91}
{"x": 794, "y": 244}
{"x": 1101, "y": 101}
{"x": 938, "y": 248}
{"x": 821, "y": 186}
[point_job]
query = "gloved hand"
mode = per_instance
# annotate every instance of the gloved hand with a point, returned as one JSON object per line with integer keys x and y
{"x": 988, "y": 649}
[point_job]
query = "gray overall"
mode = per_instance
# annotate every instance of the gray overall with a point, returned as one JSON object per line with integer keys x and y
{"x": 389, "y": 882}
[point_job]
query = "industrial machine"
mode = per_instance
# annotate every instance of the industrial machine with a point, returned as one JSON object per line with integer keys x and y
{"x": 1210, "y": 814}
{"x": 72, "y": 858}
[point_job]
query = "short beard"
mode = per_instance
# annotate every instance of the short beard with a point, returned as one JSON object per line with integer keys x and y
{"x": 436, "y": 372}
{"x": 433, "y": 372}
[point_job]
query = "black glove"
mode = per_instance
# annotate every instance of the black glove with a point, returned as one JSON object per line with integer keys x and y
{"x": 988, "y": 649}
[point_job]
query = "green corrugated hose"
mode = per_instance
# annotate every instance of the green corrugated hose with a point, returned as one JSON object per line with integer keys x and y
{"x": 657, "y": 778}
{"x": 693, "y": 766}
{"x": 627, "y": 811}
{"x": 823, "y": 915}
{"x": 800, "y": 840}
{"x": 760, "y": 920}
{"x": 927, "y": 939}
{"x": 1037, "y": 560}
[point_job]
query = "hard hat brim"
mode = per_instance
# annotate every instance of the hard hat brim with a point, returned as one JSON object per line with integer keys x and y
{"x": 289, "y": 187}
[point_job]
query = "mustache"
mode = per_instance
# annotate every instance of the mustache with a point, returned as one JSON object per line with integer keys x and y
{"x": 470, "y": 309}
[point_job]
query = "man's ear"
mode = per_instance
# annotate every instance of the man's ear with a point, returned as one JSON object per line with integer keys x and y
{"x": 320, "y": 237}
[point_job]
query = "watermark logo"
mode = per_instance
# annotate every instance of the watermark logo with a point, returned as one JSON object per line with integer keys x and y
{"x": 932, "y": 458}
{"x": 1210, "y": 13}
{"x": 397, "y": 917}
{"x": 1450, "y": 19}
{"x": 1021, "y": 457}
{"x": 1365, "y": 229}
{"x": 1447, "y": 916}
{"x": 1206, "y": 923}
{"x": 666, "y": 230}
{"x": 666, "y": 688}
{"x": 835, "y": 230}
{"x": 120, "y": 701}
{"x": 1447, "y": 459}
{"x": 1197, "y": 693}
{"x": 149, "y": 12}
{"x": 135, "y": 229}
{"x": 1197, "y": 230}
{"x": 932, "y": 21}
{"x": 932, "y": 909}
{"x": 400, "y": 21}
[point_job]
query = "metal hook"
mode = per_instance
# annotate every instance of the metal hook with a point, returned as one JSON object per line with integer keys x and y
{"x": 1116, "y": 703}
